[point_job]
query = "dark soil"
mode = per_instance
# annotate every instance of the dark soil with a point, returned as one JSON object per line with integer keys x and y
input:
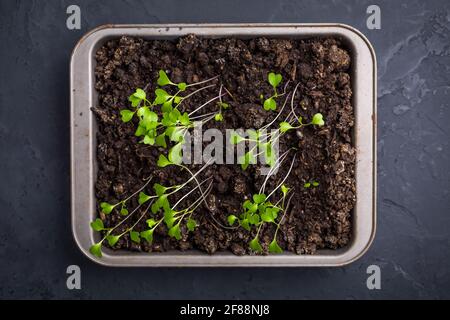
{"x": 318, "y": 217}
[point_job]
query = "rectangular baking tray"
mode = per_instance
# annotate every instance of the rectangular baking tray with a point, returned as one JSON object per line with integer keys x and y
{"x": 83, "y": 144}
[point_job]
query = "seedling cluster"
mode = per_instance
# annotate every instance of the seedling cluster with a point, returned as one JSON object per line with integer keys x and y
{"x": 162, "y": 119}
{"x": 169, "y": 122}
{"x": 154, "y": 204}
{"x": 260, "y": 211}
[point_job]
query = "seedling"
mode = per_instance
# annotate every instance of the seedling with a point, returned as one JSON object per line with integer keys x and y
{"x": 222, "y": 106}
{"x": 264, "y": 139}
{"x": 260, "y": 210}
{"x": 107, "y": 208}
{"x": 274, "y": 80}
{"x": 160, "y": 200}
{"x": 309, "y": 184}
{"x": 317, "y": 120}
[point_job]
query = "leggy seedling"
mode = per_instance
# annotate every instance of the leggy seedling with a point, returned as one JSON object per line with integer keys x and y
{"x": 274, "y": 80}
{"x": 156, "y": 202}
{"x": 260, "y": 210}
{"x": 264, "y": 139}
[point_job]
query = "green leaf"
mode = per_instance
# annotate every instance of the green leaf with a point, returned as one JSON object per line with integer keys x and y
{"x": 159, "y": 189}
{"x": 284, "y": 190}
{"x": 191, "y": 224}
{"x": 285, "y": 126}
{"x": 231, "y": 219}
{"x": 134, "y": 235}
{"x": 137, "y": 97}
{"x": 106, "y": 207}
{"x": 174, "y": 115}
{"x": 259, "y": 198}
{"x": 235, "y": 138}
{"x": 140, "y": 131}
{"x": 317, "y": 120}
{"x": 254, "y": 219}
{"x": 149, "y": 140}
{"x": 162, "y": 202}
{"x": 96, "y": 249}
{"x": 274, "y": 247}
{"x": 123, "y": 211}
{"x": 175, "y": 155}
{"x": 274, "y": 79}
{"x": 167, "y": 106}
{"x": 126, "y": 115}
{"x": 175, "y": 232}
{"x": 175, "y": 134}
{"x": 147, "y": 235}
{"x": 245, "y": 224}
{"x": 270, "y": 104}
{"x": 161, "y": 140}
{"x": 182, "y": 86}
{"x": 140, "y": 94}
{"x": 218, "y": 117}
{"x": 269, "y": 215}
{"x": 223, "y": 105}
{"x": 143, "y": 198}
{"x": 177, "y": 100}
{"x": 247, "y": 159}
{"x": 97, "y": 225}
{"x": 112, "y": 240}
{"x": 134, "y": 101}
{"x": 149, "y": 119}
{"x": 184, "y": 119}
{"x": 150, "y": 222}
{"x": 250, "y": 206}
{"x": 169, "y": 218}
{"x": 307, "y": 185}
{"x": 163, "y": 79}
{"x": 163, "y": 161}
{"x": 315, "y": 184}
{"x": 161, "y": 96}
{"x": 255, "y": 245}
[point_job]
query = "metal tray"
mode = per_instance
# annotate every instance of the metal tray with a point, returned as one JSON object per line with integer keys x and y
{"x": 83, "y": 143}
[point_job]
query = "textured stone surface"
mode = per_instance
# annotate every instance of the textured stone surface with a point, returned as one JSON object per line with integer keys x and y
{"x": 412, "y": 245}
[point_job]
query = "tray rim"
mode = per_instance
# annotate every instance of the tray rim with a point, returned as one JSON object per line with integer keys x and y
{"x": 178, "y": 259}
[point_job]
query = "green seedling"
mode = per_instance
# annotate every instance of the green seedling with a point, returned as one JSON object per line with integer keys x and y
{"x": 222, "y": 106}
{"x": 172, "y": 217}
{"x": 274, "y": 80}
{"x": 317, "y": 120}
{"x": 260, "y": 210}
{"x": 309, "y": 184}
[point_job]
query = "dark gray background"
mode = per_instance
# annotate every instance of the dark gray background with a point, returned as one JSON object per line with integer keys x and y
{"x": 413, "y": 239}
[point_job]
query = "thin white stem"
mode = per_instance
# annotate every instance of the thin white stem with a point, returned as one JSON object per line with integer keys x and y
{"x": 278, "y": 115}
{"x": 280, "y": 160}
{"x": 220, "y": 94}
{"x": 139, "y": 190}
{"x": 202, "y": 82}
{"x": 196, "y": 91}
{"x": 187, "y": 194}
{"x": 281, "y": 183}
{"x": 206, "y": 103}
{"x": 292, "y": 101}
{"x": 197, "y": 202}
{"x": 203, "y": 115}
